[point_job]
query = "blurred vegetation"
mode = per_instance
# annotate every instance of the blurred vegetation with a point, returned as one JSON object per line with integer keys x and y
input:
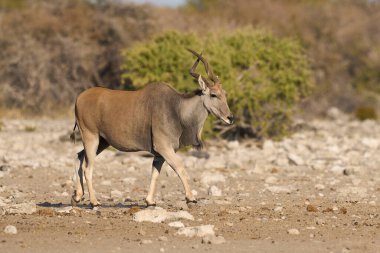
{"x": 52, "y": 50}
{"x": 264, "y": 76}
{"x": 365, "y": 112}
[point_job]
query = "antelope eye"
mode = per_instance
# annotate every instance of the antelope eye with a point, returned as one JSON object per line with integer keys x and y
{"x": 213, "y": 95}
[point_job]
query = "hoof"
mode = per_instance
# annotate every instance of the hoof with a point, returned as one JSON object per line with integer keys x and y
{"x": 93, "y": 206}
{"x": 149, "y": 204}
{"x": 74, "y": 202}
{"x": 191, "y": 201}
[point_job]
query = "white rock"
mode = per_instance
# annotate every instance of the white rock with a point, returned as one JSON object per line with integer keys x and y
{"x": 199, "y": 231}
{"x": 215, "y": 163}
{"x": 293, "y": 231}
{"x": 337, "y": 169}
{"x": 271, "y": 180}
{"x": 116, "y": 194}
{"x": 163, "y": 238}
{"x": 278, "y": 209}
{"x": 352, "y": 192}
{"x": 146, "y": 241}
{"x": 129, "y": 180}
{"x": 232, "y": 145}
{"x": 319, "y": 187}
{"x": 176, "y": 224}
{"x": 214, "y": 191}
{"x": 158, "y": 215}
{"x": 295, "y": 159}
{"x": 280, "y": 189}
{"x": 12, "y": 230}
{"x": 281, "y": 161}
{"x": 208, "y": 178}
{"x": 23, "y": 208}
{"x": 268, "y": 146}
{"x": 334, "y": 113}
{"x": 65, "y": 209}
{"x": 371, "y": 143}
{"x": 212, "y": 239}
{"x": 106, "y": 182}
{"x": 372, "y": 203}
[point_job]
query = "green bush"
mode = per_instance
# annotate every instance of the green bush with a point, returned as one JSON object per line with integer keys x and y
{"x": 365, "y": 112}
{"x": 264, "y": 76}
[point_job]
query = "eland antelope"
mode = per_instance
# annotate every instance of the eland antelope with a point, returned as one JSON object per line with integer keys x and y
{"x": 156, "y": 119}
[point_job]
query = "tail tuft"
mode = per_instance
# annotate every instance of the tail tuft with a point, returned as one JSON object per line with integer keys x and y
{"x": 72, "y": 135}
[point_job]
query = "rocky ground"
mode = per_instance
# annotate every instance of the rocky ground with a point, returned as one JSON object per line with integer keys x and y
{"x": 316, "y": 191}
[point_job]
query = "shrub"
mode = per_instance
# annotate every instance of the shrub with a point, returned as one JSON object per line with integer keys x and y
{"x": 264, "y": 76}
{"x": 365, "y": 112}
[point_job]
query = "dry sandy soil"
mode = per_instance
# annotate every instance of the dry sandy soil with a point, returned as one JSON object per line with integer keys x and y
{"x": 316, "y": 191}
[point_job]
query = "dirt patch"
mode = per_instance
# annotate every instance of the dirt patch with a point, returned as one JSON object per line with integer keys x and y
{"x": 263, "y": 194}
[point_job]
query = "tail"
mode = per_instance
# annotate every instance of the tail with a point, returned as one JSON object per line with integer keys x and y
{"x": 72, "y": 135}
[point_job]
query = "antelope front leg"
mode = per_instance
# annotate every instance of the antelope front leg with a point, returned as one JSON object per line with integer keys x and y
{"x": 158, "y": 161}
{"x": 175, "y": 163}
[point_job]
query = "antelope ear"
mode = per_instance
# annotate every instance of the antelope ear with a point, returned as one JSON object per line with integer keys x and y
{"x": 202, "y": 84}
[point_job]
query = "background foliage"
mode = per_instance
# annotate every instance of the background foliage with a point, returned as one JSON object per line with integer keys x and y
{"x": 52, "y": 50}
{"x": 264, "y": 76}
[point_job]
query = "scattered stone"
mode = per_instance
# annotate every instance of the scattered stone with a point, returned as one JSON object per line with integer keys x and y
{"x": 278, "y": 209}
{"x": 106, "y": 182}
{"x": 231, "y": 145}
{"x": 343, "y": 210}
{"x": 295, "y": 159}
{"x": 319, "y": 187}
{"x": 212, "y": 239}
{"x": 23, "y": 208}
{"x": 214, "y": 191}
{"x": 280, "y": 189}
{"x": 372, "y": 203}
{"x": 11, "y": 230}
{"x": 337, "y": 169}
{"x": 116, "y": 194}
{"x": 293, "y": 231}
{"x": 65, "y": 209}
{"x": 208, "y": 178}
{"x": 268, "y": 146}
{"x": 176, "y": 224}
{"x": 199, "y": 231}
{"x": 370, "y": 142}
{"x": 158, "y": 215}
{"x": 271, "y": 180}
{"x": 5, "y": 167}
{"x": 163, "y": 238}
{"x": 311, "y": 208}
{"x": 334, "y": 113}
{"x": 319, "y": 221}
{"x": 222, "y": 202}
{"x": 182, "y": 205}
{"x": 353, "y": 192}
{"x": 144, "y": 241}
{"x": 129, "y": 180}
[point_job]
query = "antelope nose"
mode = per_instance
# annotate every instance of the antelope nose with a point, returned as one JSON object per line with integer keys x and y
{"x": 231, "y": 119}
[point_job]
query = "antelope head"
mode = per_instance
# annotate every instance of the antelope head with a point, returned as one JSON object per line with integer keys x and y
{"x": 214, "y": 97}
